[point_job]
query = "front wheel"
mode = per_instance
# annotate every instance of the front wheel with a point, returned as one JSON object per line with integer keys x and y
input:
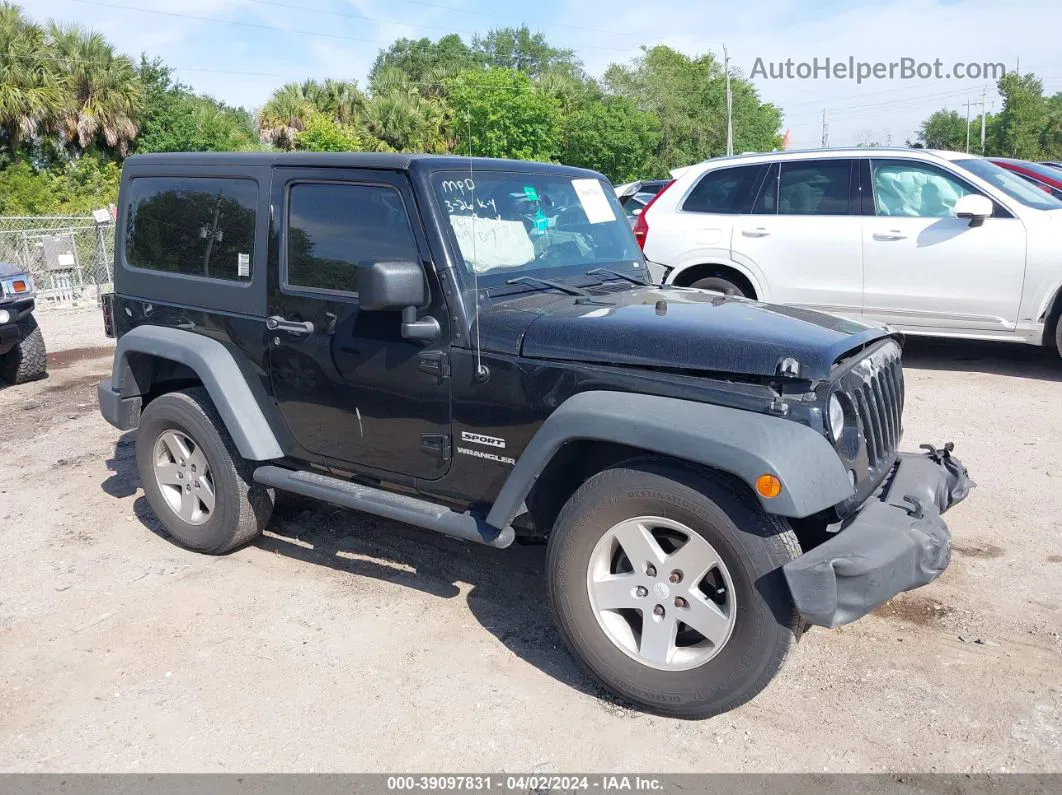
{"x": 28, "y": 360}
{"x": 666, "y": 584}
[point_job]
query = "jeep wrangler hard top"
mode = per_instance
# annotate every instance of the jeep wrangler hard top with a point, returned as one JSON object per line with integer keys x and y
{"x": 471, "y": 346}
{"x": 22, "y": 354}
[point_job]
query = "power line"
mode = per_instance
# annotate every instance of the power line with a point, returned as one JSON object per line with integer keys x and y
{"x": 262, "y": 26}
{"x": 432, "y": 5}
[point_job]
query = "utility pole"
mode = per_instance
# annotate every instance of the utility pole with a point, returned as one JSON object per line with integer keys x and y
{"x": 729, "y": 106}
{"x": 968, "y": 103}
{"x": 984, "y": 94}
{"x": 825, "y": 130}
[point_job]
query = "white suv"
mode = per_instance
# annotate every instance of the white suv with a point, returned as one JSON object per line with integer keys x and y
{"x": 938, "y": 243}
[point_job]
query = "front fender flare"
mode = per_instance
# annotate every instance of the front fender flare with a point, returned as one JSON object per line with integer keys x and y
{"x": 743, "y": 443}
{"x": 221, "y": 376}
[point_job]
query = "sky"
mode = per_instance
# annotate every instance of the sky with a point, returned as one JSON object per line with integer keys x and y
{"x": 240, "y": 50}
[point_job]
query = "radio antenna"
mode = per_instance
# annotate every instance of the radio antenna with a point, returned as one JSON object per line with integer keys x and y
{"x": 481, "y": 371}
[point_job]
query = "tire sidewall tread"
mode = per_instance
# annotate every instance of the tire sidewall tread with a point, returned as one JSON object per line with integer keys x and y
{"x": 28, "y": 360}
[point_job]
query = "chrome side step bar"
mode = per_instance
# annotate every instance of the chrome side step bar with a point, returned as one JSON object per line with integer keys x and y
{"x": 384, "y": 503}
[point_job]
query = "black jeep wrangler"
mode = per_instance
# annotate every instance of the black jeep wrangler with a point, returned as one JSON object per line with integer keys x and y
{"x": 22, "y": 354}
{"x": 471, "y": 346}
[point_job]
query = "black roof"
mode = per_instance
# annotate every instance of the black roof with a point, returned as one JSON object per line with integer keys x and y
{"x": 391, "y": 161}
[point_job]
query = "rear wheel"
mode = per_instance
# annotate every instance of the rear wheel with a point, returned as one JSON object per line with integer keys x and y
{"x": 1058, "y": 335}
{"x": 28, "y": 360}
{"x": 199, "y": 487}
{"x": 720, "y": 284}
{"x": 666, "y": 583}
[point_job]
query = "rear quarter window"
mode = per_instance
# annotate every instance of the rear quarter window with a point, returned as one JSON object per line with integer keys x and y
{"x": 193, "y": 226}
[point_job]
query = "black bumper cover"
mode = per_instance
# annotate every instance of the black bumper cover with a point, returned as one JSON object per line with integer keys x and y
{"x": 894, "y": 543}
{"x": 122, "y": 413}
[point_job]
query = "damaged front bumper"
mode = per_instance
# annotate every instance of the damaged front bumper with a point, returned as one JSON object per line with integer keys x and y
{"x": 895, "y": 542}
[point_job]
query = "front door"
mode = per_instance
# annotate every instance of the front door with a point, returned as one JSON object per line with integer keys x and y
{"x": 925, "y": 268}
{"x": 349, "y": 386}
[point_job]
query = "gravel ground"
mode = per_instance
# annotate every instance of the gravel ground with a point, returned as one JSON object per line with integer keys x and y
{"x": 339, "y": 642}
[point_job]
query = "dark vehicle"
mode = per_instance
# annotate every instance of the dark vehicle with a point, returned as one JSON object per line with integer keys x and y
{"x": 472, "y": 347}
{"x": 635, "y": 197}
{"x": 1044, "y": 176}
{"x": 22, "y": 354}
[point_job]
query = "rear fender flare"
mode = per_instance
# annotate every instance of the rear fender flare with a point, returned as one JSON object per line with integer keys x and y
{"x": 221, "y": 376}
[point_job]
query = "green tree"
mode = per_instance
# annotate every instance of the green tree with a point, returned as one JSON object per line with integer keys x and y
{"x": 1024, "y": 116}
{"x": 505, "y": 114}
{"x": 611, "y": 136}
{"x": 76, "y": 187}
{"x": 688, "y": 95}
{"x": 32, "y": 93}
{"x": 322, "y": 133}
{"x": 519, "y": 48}
{"x": 424, "y": 62}
{"x": 944, "y": 129}
{"x": 177, "y": 120}
{"x": 104, "y": 97}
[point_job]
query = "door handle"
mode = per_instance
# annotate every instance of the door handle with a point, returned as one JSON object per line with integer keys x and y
{"x": 276, "y": 323}
{"x": 892, "y": 234}
{"x": 759, "y": 231}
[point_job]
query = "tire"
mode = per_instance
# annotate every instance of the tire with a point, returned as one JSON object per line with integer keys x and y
{"x": 720, "y": 284}
{"x": 752, "y": 546}
{"x": 28, "y": 360}
{"x": 241, "y": 508}
{"x": 1058, "y": 335}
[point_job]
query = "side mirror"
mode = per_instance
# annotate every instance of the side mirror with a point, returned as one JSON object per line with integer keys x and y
{"x": 975, "y": 207}
{"x": 398, "y": 285}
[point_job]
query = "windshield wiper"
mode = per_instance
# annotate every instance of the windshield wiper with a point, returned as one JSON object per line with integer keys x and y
{"x": 533, "y": 280}
{"x": 618, "y": 275}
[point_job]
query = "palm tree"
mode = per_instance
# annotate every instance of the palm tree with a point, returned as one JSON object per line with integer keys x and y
{"x": 340, "y": 99}
{"x": 105, "y": 95}
{"x": 285, "y": 114}
{"x": 401, "y": 117}
{"x": 31, "y": 92}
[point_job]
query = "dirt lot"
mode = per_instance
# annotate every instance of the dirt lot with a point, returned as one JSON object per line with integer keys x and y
{"x": 339, "y": 642}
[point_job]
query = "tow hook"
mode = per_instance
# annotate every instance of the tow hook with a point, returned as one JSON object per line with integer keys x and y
{"x": 938, "y": 456}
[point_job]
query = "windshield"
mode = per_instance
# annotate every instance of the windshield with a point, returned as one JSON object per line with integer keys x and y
{"x": 536, "y": 224}
{"x": 1011, "y": 184}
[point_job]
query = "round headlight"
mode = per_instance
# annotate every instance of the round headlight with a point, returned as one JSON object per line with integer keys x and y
{"x": 836, "y": 418}
{"x": 5, "y": 316}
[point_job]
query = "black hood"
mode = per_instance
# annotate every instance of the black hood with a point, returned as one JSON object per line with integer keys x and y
{"x": 671, "y": 327}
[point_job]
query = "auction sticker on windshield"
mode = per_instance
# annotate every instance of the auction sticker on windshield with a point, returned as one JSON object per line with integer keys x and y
{"x": 592, "y": 198}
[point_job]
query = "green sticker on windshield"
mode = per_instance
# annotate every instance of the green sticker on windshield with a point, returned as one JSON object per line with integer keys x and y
{"x": 531, "y": 193}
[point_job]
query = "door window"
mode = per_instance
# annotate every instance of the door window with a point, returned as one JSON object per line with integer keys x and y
{"x": 725, "y": 190}
{"x": 916, "y": 190}
{"x": 335, "y": 228}
{"x": 815, "y": 187}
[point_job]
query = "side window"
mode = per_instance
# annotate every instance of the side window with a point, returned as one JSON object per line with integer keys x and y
{"x": 915, "y": 190}
{"x": 333, "y": 228}
{"x": 196, "y": 226}
{"x": 815, "y": 187}
{"x": 767, "y": 200}
{"x": 725, "y": 190}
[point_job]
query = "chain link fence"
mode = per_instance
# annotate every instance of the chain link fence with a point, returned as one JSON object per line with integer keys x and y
{"x": 71, "y": 258}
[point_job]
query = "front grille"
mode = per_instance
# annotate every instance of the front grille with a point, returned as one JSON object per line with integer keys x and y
{"x": 873, "y": 385}
{"x": 879, "y": 403}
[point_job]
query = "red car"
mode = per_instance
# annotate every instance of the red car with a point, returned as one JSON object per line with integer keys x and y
{"x": 1047, "y": 178}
